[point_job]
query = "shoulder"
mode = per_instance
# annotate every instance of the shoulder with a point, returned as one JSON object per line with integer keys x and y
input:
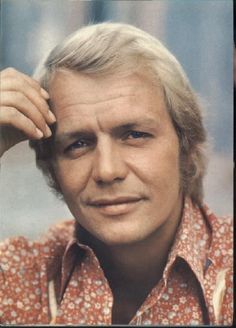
{"x": 222, "y": 232}
{"x": 19, "y": 252}
{"x": 222, "y": 235}
{"x": 15, "y": 251}
{"x": 219, "y": 276}
{"x": 18, "y": 270}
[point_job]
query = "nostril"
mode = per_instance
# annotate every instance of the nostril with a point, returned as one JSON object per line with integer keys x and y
{"x": 103, "y": 183}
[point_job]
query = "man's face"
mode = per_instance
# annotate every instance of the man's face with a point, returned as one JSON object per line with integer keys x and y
{"x": 117, "y": 155}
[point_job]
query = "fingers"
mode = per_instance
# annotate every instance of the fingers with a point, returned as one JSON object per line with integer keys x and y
{"x": 13, "y": 80}
{"x": 12, "y": 73}
{"x": 38, "y": 96}
{"x": 20, "y": 93}
{"x": 16, "y": 99}
{"x": 11, "y": 116}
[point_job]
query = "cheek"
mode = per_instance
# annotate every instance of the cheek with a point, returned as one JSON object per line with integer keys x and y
{"x": 72, "y": 176}
{"x": 158, "y": 166}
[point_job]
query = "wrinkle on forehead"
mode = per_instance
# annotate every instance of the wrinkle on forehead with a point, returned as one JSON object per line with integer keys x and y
{"x": 95, "y": 90}
{"x": 98, "y": 101}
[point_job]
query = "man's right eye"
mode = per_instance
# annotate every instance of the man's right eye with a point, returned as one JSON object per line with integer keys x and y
{"x": 81, "y": 143}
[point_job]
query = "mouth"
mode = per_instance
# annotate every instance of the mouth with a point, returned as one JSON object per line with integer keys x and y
{"x": 115, "y": 206}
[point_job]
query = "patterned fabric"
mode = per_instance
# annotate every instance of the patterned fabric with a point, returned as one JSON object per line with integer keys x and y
{"x": 196, "y": 287}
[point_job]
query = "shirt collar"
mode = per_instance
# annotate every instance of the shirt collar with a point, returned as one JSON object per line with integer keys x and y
{"x": 192, "y": 242}
{"x": 73, "y": 255}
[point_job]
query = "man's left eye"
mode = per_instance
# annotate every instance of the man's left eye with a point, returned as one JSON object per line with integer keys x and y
{"x": 136, "y": 135}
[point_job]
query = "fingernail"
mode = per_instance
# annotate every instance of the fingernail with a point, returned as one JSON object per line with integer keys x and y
{"x": 44, "y": 93}
{"x": 51, "y": 116}
{"x": 39, "y": 133}
{"x": 48, "y": 132}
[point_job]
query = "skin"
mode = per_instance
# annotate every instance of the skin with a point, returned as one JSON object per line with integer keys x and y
{"x": 117, "y": 163}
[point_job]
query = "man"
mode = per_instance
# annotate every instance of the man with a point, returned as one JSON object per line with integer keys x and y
{"x": 126, "y": 153}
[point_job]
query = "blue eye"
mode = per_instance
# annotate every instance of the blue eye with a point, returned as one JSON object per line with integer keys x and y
{"x": 137, "y": 134}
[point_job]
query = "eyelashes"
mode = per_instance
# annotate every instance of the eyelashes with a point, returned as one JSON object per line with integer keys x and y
{"x": 136, "y": 135}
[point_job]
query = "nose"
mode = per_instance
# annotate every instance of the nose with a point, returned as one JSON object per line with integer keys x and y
{"x": 109, "y": 165}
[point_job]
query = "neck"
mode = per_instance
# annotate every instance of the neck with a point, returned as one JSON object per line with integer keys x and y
{"x": 147, "y": 258}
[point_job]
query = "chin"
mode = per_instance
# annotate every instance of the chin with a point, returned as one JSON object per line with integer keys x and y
{"x": 118, "y": 236}
{"x": 121, "y": 238}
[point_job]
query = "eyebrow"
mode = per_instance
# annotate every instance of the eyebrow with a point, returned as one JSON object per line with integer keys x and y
{"x": 143, "y": 124}
{"x": 146, "y": 123}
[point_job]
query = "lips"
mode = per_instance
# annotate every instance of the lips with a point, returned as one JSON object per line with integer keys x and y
{"x": 113, "y": 201}
{"x": 115, "y": 206}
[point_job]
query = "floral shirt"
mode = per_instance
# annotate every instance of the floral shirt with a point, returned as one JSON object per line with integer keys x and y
{"x": 196, "y": 286}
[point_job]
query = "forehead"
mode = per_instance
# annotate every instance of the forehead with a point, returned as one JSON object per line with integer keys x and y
{"x": 94, "y": 88}
{"x": 79, "y": 99}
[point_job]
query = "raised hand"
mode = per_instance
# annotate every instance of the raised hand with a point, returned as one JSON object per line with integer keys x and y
{"x": 24, "y": 112}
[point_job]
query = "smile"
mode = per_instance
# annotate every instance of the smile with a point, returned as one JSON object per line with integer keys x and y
{"x": 116, "y": 206}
